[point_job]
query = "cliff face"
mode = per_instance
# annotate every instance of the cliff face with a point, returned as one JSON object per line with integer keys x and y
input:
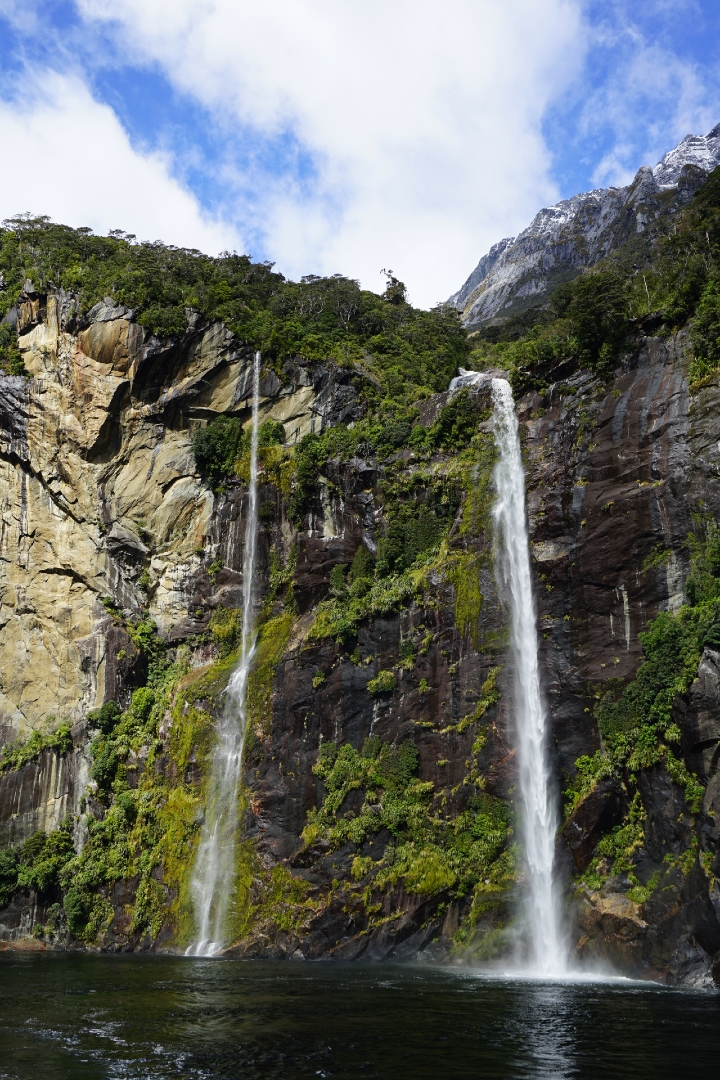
{"x": 521, "y": 272}
{"x": 379, "y": 774}
{"x": 102, "y": 500}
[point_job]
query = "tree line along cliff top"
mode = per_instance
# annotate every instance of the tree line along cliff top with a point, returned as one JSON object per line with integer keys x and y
{"x": 653, "y": 283}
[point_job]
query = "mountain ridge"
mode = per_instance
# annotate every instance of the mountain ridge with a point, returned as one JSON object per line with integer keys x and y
{"x": 575, "y": 233}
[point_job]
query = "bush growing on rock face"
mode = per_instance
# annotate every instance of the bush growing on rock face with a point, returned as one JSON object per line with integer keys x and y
{"x": 271, "y": 433}
{"x": 37, "y": 863}
{"x": 11, "y": 361}
{"x": 383, "y": 683}
{"x": 8, "y": 875}
{"x": 58, "y": 739}
{"x": 106, "y": 717}
{"x": 217, "y": 448}
{"x": 705, "y": 332}
{"x": 597, "y": 307}
{"x": 77, "y": 905}
{"x": 456, "y": 423}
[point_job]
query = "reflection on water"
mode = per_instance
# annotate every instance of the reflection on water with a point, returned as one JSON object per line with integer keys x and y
{"x": 83, "y": 1017}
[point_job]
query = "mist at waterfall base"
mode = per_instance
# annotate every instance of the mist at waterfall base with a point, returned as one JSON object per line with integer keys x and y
{"x": 139, "y": 1017}
{"x": 213, "y": 877}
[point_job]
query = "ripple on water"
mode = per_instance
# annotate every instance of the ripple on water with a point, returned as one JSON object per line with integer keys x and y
{"x": 160, "y": 1018}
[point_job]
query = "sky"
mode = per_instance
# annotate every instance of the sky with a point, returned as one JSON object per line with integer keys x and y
{"x": 339, "y": 136}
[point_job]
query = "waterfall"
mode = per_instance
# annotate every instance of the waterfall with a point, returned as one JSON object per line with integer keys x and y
{"x": 545, "y": 945}
{"x": 214, "y": 871}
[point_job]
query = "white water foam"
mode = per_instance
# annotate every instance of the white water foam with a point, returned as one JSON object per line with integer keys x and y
{"x": 214, "y": 871}
{"x": 544, "y": 951}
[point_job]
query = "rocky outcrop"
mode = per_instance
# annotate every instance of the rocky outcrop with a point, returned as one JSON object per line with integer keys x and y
{"x": 521, "y": 272}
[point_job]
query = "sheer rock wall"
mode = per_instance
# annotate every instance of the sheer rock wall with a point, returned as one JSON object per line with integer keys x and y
{"x": 98, "y": 483}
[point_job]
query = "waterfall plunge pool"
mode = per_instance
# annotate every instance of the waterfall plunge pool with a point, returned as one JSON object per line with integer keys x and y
{"x": 84, "y": 1017}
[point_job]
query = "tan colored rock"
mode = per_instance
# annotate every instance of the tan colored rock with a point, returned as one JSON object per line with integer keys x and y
{"x": 98, "y": 483}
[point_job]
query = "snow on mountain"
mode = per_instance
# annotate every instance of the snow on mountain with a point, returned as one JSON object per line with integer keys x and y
{"x": 577, "y": 232}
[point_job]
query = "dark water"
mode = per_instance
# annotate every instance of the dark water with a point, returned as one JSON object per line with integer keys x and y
{"x": 151, "y": 1018}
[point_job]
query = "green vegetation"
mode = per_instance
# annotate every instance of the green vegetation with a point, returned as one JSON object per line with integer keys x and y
{"x": 11, "y": 361}
{"x": 404, "y": 349}
{"x": 588, "y": 322}
{"x": 57, "y": 738}
{"x": 220, "y": 446}
{"x": 635, "y": 718}
{"x": 225, "y": 628}
{"x": 145, "y": 798}
{"x": 429, "y": 851}
{"x": 217, "y": 448}
{"x": 384, "y": 682}
{"x": 37, "y": 864}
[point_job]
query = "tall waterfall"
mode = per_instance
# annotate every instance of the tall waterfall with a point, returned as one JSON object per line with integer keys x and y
{"x": 545, "y": 946}
{"x": 214, "y": 871}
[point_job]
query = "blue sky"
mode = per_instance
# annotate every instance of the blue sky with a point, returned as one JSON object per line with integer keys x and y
{"x": 333, "y": 136}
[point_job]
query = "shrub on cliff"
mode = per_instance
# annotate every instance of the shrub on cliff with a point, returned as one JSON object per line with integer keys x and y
{"x": 217, "y": 447}
{"x": 384, "y": 682}
{"x": 11, "y": 361}
{"x": 20, "y": 753}
{"x": 705, "y": 332}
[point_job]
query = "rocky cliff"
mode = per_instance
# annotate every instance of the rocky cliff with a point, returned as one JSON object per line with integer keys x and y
{"x": 377, "y": 805}
{"x": 520, "y": 273}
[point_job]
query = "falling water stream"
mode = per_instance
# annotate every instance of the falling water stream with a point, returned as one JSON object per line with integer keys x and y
{"x": 214, "y": 871}
{"x": 545, "y": 948}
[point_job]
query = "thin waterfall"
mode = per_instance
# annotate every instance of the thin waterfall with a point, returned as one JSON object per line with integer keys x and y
{"x": 214, "y": 871}
{"x": 546, "y": 952}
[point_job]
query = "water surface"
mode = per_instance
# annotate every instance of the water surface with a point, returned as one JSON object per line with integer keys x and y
{"x": 86, "y": 1017}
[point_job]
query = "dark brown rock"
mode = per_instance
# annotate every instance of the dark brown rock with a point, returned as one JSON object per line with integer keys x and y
{"x": 594, "y": 816}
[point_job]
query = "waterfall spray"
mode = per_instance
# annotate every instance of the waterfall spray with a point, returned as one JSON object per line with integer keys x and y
{"x": 214, "y": 871}
{"x": 546, "y": 948}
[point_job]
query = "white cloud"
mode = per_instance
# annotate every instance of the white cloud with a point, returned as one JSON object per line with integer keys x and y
{"x": 72, "y": 160}
{"x": 423, "y": 118}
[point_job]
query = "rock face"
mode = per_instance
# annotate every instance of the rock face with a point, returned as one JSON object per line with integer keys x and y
{"x": 520, "y": 272}
{"x": 99, "y": 487}
{"x": 42, "y": 793}
{"x": 99, "y": 484}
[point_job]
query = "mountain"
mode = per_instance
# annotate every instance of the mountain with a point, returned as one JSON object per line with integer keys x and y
{"x": 520, "y": 272}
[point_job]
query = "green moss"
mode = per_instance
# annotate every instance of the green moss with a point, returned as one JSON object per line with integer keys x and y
{"x": 225, "y": 627}
{"x": 429, "y": 851}
{"x": 384, "y": 682}
{"x": 57, "y": 738}
{"x": 478, "y": 486}
{"x": 340, "y": 619}
{"x": 272, "y": 639}
{"x": 272, "y": 901}
{"x": 462, "y": 569}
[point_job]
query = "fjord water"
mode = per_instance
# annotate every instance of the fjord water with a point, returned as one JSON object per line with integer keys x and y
{"x": 84, "y": 1017}
{"x": 544, "y": 950}
{"x": 214, "y": 870}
